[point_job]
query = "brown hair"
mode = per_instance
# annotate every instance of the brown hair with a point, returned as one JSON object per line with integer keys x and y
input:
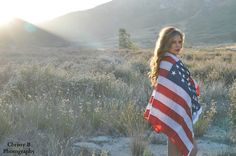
{"x": 163, "y": 43}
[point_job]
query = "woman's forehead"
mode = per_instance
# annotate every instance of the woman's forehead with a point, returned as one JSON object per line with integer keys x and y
{"x": 176, "y": 37}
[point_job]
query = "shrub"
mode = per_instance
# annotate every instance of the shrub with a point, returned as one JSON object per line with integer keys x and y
{"x": 232, "y": 110}
{"x": 125, "y": 41}
{"x": 226, "y": 153}
{"x": 128, "y": 119}
{"x": 205, "y": 120}
{"x": 5, "y": 125}
{"x": 232, "y": 114}
{"x": 138, "y": 146}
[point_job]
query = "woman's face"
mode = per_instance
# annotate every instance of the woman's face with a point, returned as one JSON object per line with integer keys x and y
{"x": 176, "y": 45}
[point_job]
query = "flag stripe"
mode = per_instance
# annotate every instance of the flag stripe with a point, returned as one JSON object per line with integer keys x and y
{"x": 174, "y": 115}
{"x": 174, "y": 106}
{"x": 169, "y": 132}
{"x": 175, "y": 97}
{"x": 163, "y": 72}
{"x": 169, "y": 59}
{"x": 171, "y": 123}
{"x": 166, "y": 65}
{"x": 191, "y": 81}
{"x": 175, "y": 88}
{"x": 173, "y": 127}
{"x": 151, "y": 98}
{"x": 172, "y": 56}
{"x": 149, "y": 106}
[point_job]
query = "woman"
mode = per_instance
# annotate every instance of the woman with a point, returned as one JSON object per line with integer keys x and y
{"x": 173, "y": 106}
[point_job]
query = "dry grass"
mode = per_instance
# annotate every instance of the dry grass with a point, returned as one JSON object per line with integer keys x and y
{"x": 61, "y": 94}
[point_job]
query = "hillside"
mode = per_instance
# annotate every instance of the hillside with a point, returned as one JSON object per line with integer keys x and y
{"x": 205, "y": 22}
{"x": 22, "y": 33}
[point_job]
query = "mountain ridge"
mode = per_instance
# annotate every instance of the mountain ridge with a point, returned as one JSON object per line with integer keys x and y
{"x": 20, "y": 33}
{"x": 205, "y": 22}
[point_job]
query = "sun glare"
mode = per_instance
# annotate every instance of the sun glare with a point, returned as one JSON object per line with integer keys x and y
{"x": 6, "y": 13}
{"x": 35, "y": 11}
{"x": 4, "y": 20}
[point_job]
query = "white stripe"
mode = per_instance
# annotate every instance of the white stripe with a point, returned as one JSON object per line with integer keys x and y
{"x": 153, "y": 92}
{"x": 166, "y": 65}
{"x": 172, "y": 55}
{"x": 175, "y": 107}
{"x": 176, "y": 89}
{"x": 173, "y": 125}
{"x": 149, "y": 106}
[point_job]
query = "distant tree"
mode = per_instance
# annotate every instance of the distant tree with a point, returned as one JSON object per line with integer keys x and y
{"x": 125, "y": 41}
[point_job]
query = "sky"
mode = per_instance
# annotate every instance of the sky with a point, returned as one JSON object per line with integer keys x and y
{"x": 37, "y": 11}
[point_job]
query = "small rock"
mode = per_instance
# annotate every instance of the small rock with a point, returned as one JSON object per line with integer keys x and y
{"x": 101, "y": 139}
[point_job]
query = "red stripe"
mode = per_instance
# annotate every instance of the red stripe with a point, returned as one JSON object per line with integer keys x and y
{"x": 151, "y": 99}
{"x": 163, "y": 72}
{"x": 146, "y": 114}
{"x": 197, "y": 90}
{"x": 174, "y": 137}
{"x": 169, "y": 59}
{"x": 175, "y": 97}
{"x": 191, "y": 81}
{"x": 195, "y": 85}
{"x": 172, "y": 114}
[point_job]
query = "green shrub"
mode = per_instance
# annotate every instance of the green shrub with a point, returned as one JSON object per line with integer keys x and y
{"x": 205, "y": 120}
{"x": 125, "y": 41}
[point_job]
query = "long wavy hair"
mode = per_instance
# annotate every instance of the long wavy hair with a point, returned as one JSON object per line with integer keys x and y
{"x": 163, "y": 43}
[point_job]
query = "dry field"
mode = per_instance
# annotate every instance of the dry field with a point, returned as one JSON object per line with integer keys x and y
{"x": 55, "y": 97}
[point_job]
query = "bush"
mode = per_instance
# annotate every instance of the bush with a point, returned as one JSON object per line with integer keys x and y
{"x": 5, "y": 125}
{"x": 232, "y": 114}
{"x": 232, "y": 110}
{"x": 125, "y": 41}
{"x": 127, "y": 119}
{"x": 205, "y": 120}
{"x": 139, "y": 147}
{"x": 50, "y": 103}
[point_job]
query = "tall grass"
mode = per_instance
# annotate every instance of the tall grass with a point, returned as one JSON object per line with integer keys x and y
{"x": 232, "y": 114}
{"x": 52, "y": 99}
{"x": 41, "y": 100}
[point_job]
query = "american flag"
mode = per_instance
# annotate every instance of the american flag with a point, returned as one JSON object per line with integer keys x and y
{"x": 173, "y": 106}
